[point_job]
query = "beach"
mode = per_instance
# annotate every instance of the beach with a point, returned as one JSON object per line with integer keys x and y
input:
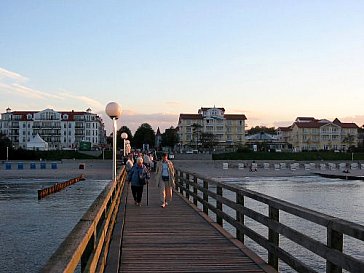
{"x": 102, "y": 169}
{"x": 65, "y": 169}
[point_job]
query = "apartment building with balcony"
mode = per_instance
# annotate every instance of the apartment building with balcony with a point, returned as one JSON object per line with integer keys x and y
{"x": 228, "y": 130}
{"x": 309, "y": 134}
{"x": 61, "y": 130}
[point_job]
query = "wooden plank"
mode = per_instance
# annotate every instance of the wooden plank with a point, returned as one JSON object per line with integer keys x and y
{"x": 176, "y": 239}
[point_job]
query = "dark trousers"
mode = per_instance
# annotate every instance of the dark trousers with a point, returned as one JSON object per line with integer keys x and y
{"x": 137, "y": 193}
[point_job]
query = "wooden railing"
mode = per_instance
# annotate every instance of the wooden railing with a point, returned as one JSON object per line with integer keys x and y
{"x": 87, "y": 245}
{"x": 201, "y": 191}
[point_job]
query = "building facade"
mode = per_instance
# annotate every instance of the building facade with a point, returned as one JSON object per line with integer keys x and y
{"x": 228, "y": 130}
{"x": 310, "y": 134}
{"x": 61, "y": 130}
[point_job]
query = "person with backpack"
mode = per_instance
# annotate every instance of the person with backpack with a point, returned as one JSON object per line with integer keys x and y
{"x": 137, "y": 177}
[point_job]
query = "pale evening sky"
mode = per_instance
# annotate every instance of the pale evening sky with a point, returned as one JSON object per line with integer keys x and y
{"x": 270, "y": 60}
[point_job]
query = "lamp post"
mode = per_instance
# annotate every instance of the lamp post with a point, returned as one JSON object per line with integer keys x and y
{"x": 124, "y": 136}
{"x": 7, "y": 153}
{"x": 113, "y": 110}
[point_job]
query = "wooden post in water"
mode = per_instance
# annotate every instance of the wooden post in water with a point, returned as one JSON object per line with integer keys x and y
{"x": 58, "y": 187}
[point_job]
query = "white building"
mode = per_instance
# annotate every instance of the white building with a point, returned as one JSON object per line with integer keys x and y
{"x": 228, "y": 130}
{"x": 61, "y": 130}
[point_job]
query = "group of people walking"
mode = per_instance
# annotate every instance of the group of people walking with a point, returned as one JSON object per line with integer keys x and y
{"x": 139, "y": 174}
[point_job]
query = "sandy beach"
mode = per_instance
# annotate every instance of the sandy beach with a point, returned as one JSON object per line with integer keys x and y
{"x": 66, "y": 169}
{"x": 102, "y": 169}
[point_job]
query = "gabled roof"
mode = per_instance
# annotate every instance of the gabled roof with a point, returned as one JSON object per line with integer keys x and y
{"x": 285, "y": 129}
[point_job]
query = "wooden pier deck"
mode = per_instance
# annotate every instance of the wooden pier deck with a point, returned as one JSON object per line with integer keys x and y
{"x": 179, "y": 238}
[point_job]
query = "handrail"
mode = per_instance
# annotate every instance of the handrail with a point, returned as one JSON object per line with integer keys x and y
{"x": 88, "y": 243}
{"x": 199, "y": 187}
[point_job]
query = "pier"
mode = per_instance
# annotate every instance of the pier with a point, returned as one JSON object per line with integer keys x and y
{"x": 189, "y": 235}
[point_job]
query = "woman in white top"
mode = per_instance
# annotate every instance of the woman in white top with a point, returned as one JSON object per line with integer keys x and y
{"x": 165, "y": 179}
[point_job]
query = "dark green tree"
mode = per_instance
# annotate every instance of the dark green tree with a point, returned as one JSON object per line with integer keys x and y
{"x": 4, "y": 142}
{"x": 208, "y": 141}
{"x": 258, "y": 129}
{"x": 144, "y": 135}
{"x": 119, "y": 140}
{"x": 170, "y": 137}
{"x": 196, "y": 133}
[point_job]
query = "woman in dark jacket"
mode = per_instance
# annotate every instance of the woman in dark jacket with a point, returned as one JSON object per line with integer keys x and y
{"x": 138, "y": 177}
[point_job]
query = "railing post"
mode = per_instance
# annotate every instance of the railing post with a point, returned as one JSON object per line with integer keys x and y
{"x": 188, "y": 186}
{"x": 273, "y": 238}
{"x": 205, "y": 197}
{"x": 335, "y": 241}
{"x": 240, "y": 216}
{"x": 219, "y": 205}
{"x": 195, "y": 190}
{"x": 181, "y": 182}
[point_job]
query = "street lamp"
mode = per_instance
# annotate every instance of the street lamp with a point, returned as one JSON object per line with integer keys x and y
{"x": 113, "y": 110}
{"x": 124, "y": 136}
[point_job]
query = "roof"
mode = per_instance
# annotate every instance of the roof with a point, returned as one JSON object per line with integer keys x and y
{"x": 235, "y": 116}
{"x": 71, "y": 114}
{"x": 207, "y": 108}
{"x": 285, "y": 129}
{"x": 261, "y": 136}
{"x": 190, "y": 116}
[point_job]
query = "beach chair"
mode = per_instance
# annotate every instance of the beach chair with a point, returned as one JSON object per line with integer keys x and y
{"x": 266, "y": 166}
{"x": 307, "y": 166}
{"x": 294, "y": 166}
{"x": 342, "y": 166}
{"x": 332, "y": 166}
{"x": 225, "y": 166}
{"x": 241, "y": 166}
{"x": 322, "y": 166}
{"x": 313, "y": 165}
{"x": 254, "y": 167}
{"x": 354, "y": 166}
{"x": 283, "y": 165}
{"x": 362, "y": 166}
{"x": 277, "y": 167}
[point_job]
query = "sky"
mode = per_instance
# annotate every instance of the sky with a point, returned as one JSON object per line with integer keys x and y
{"x": 270, "y": 60}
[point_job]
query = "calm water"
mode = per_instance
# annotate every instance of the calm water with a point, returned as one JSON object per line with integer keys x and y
{"x": 32, "y": 229}
{"x": 340, "y": 198}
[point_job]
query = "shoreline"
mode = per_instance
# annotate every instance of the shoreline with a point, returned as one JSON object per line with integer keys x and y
{"x": 102, "y": 169}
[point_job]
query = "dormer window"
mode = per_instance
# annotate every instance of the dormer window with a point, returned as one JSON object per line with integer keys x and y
{"x": 29, "y": 116}
{"x": 65, "y": 117}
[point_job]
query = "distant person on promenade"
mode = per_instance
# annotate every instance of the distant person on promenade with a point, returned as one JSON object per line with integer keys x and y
{"x": 165, "y": 179}
{"x": 138, "y": 177}
{"x": 147, "y": 160}
{"x": 129, "y": 163}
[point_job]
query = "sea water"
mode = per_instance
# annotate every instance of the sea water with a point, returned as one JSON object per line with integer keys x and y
{"x": 336, "y": 197}
{"x": 32, "y": 229}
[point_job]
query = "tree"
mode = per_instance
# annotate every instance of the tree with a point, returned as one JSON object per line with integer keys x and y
{"x": 349, "y": 140}
{"x": 208, "y": 141}
{"x": 119, "y": 140}
{"x": 196, "y": 132}
{"x": 258, "y": 129}
{"x": 170, "y": 137}
{"x": 144, "y": 135}
{"x": 4, "y": 142}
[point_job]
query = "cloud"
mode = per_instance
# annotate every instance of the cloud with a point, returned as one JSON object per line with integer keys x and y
{"x": 16, "y": 88}
{"x": 6, "y": 74}
{"x": 95, "y": 105}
